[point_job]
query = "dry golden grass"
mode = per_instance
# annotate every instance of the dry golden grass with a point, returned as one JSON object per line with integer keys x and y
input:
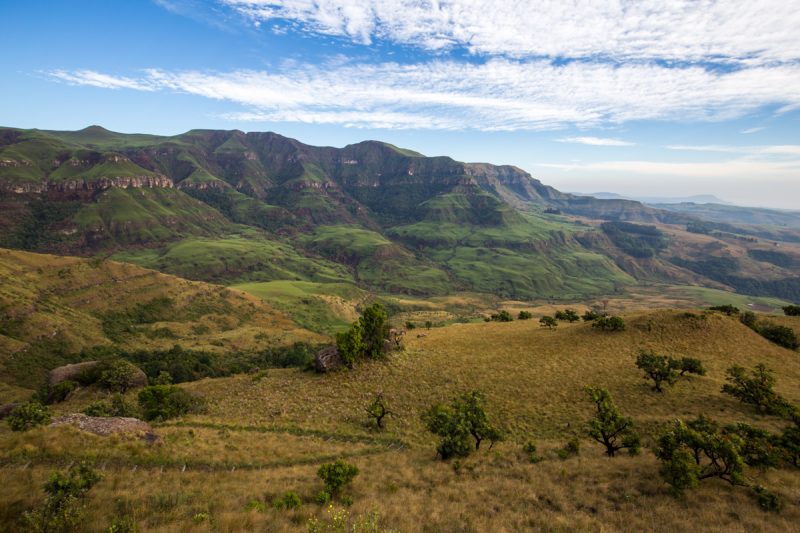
{"x": 276, "y": 432}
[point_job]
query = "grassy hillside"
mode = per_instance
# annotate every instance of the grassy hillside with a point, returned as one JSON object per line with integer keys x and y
{"x": 262, "y": 438}
{"x": 52, "y": 307}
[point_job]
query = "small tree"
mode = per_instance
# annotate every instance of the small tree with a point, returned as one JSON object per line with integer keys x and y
{"x": 659, "y": 368}
{"x": 695, "y": 451}
{"x": 336, "y": 476}
{"x": 378, "y": 410}
{"x": 375, "y": 328}
{"x": 780, "y": 335}
{"x": 609, "y": 323}
{"x": 728, "y": 309}
{"x": 63, "y": 510}
{"x": 548, "y": 322}
{"x": 791, "y": 310}
{"x": 464, "y": 419}
{"x": 757, "y": 390}
{"x": 162, "y": 402}
{"x": 609, "y": 427}
{"x": 590, "y": 316}
{"x": 28, "y": 416}
{"x": 524, "y": 315}
{"x": 567, "y": 314}
{"x": 350, "y": 344}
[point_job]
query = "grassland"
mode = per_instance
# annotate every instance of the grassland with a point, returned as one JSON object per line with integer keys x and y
{"x": 262, "y": 438}
{"x": 51, "y": 307}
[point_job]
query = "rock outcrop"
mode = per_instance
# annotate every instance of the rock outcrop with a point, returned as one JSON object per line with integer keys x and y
{"x": 107, "y": 425}
{"x": 71, "y": 372}
{"x": 328, "y": 359}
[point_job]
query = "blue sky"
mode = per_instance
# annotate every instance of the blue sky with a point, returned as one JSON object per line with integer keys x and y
{"x": 641, "y": 98}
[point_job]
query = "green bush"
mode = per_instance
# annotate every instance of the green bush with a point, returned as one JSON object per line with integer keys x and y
{"x": 780, "y": 335}
{"x": 162, "y": 402}
{"x": 63, "y": 509}
{"x": 548, "y": 322}
{"x": 524, "y": 315}
{"x": 502, "y": 316}
{"x": 728, "y": 309}
{"x": 117, "y": 406}
{"x": 289, "y": 500}
{"x": 336, "y": 476}
{"x": 28, "y": 416}
{"x": 117, "y": 375}
{"x": 531, "y": 452}
{"x": 757, "y": 390}
{"x": 567, "y": 314}
{"x": 572, "y": 448}
{"x": 767, "y": 500}
{"x": 61, "y": 391}
{"x": 609, "y": 323}
{"x": 791, "y": 310}
{"x": 590, "y": 316}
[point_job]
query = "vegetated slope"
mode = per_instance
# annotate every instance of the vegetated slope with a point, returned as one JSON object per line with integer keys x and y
{"x": 392, "y": 220}
{"x": 52, "y": 307}
{"x": 260, "y": 439}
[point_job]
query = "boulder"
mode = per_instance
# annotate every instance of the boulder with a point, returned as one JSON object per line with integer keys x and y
{"x": 107, "y": 425}
{"x": 71, "y": 372}
{"x": 328, "y": 359}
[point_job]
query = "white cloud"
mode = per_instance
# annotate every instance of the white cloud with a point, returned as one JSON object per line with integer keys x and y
{"x": 499, "y": 94}
{"x": 595, "y": 141}
{"x": 722, "y": 170}
{"x": 97, "y": 79}
{"x": 748, "y": 131}
{"x": 753, "y": 32}
{"x": 780, "y": 149}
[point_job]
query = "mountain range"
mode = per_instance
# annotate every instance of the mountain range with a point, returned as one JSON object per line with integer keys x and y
{"x": 232, "y": 207}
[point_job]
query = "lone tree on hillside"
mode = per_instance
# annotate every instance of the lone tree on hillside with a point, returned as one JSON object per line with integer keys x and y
{"x": 697, "y": 450}
{"x": 378, "y": 410}
{"x": 548, "y": 322}
{"x": 365, "y": 337}
{"x": 567, "y": 314}
{"x": 664, "y": 369}
{"x": 757, "y": 390}
{"x": 465, "y": 419}
{"x": 609, "y": 427}
{"x": 524, "y": 315}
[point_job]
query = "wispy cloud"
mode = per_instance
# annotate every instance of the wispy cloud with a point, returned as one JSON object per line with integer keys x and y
{"x": 748, "y": 131}
{"x": 499, "y": 94}
{"x": 595, "y": 141}
{"x": 755, "y": 32}
{"x": 98, "y": 79}
{"x": 779, "y": 149}
{"x": 723, "y": 170}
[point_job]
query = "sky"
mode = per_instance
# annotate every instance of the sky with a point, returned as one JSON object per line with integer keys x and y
{"x": 641, "y": 98}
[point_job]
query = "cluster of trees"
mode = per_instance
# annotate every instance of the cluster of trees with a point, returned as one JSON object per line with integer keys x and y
{"x": 636, "y": 240}
{"x": 780, "y": 335}
{"x": 566, "y": 315}
{"x": 365, "y": 337}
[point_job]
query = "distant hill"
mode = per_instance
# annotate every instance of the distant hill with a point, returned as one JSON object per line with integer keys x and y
{"x": 697, "y": 199}
{"x": 233, "y": 207}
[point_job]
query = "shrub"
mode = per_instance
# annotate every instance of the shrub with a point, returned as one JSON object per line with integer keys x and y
{"x": 530, "y": 452}
{"x": 780, "y": 335}
{"x": 690, "y": 365}
{"x": 590, "y": 316}
{"x": 728, "y": 309}
{"x": 116, "y": 375}
{"x": 28, "y": 416}
{"x": 63, "y": 509}
{"x": 410, "y": 325}
{"x": 464, "y": 419}
{"x": 502, "y": 316}
{"x": 749, "y": 319}
{"x": 162, "y": 402}
{"x": 289, "y": 500}
{"x": 61, "y": 391}
{"x": 791, "y": 310}
{"x": 609, "y": 427}
{"x": 567, "y": 314}
{"x": 350, "y": 345}
{"x": 163, "y": 378}
{"x": 767, "y": 500}
{"x": 375, "y": 327}
{"x": 336, "y": 476}
{"x": 116, "y": 407}
{"x": 548, "y": 322}
{"x": 572, "y": 448}
{"x": 524, "y": 315}
{"x": 609, "y": 323}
